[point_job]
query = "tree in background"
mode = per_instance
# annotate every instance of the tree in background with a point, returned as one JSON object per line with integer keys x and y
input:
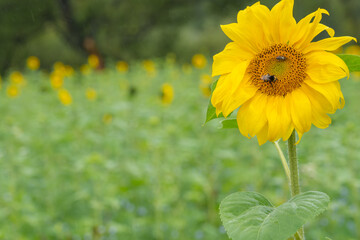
{"x": 20, "y": 22}
{"x": 70, "y": 30}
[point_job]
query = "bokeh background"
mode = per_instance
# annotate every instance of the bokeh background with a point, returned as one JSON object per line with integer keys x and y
{"x": 102, "y": 137}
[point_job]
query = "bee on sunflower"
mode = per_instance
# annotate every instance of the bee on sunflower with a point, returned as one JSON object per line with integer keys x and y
{"x": 275, "y": 75}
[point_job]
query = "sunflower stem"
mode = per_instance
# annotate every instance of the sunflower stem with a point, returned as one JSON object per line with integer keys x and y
{"x": 294, "y": 177}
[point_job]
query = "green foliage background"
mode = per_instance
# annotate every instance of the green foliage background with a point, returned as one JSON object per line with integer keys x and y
{"x": 154, "y": 172}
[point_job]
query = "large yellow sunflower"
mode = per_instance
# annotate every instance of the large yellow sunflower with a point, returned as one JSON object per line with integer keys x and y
{"x": 279, "y": 78}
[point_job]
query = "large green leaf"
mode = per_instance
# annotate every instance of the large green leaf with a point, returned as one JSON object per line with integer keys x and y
{"x": 352, "y": 61}
{"x": 249, "y": 215}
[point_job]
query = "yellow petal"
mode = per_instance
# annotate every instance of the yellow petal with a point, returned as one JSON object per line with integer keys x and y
{"x": 331, "y": 66}
{"x": 251, "y": 116}
{"x": 242, "y": 35}
{"x": 305, "y": 30}
{"x": 288, "y": 131}
{"x": 320, "y": 119}
{"x": 285, "y": 116}
{"x": 283, "y": 21}
{"x": 279, "y": 118}
{"x": 241, "y": 119}
{"x": 319, "y": 107}
{"x": 299, "y": 136}
{"x": 244, "y": 92}
{"x": 325, "y": 73}
{"x": 274, "y": 121}
{"x": 321, "y": 27}
{"x": 330, "y": 91}
{"x": 225, "y": 61}
{"x": 218, "y": 111}
{"x": 242, "y": 13}
{"x": 328, "y": 44}
{"x": 262, "y": 136}
{"x": 227, "y": 85}
{"x": 233, "y": 79}
{"x": 320, "y": 98}
{"x": 312, "y": 27}
{"x": 300, "y": 109}
{"x": 256, "y": 20}
{"x": 218, "y": 96}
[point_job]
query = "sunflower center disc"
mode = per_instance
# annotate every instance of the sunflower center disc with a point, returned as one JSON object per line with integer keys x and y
{"x": 278, "y": 70}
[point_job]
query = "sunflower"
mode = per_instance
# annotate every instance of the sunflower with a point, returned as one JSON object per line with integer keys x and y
{"x": 12, "y": 91}
{"x": 64, "y": 97}
{"x": 167, "y": 94}
{"x": 149, "y": 67}
{"x": 33, "y": 63}
{"x": 69, "y": 71}
{"x": 85, "y": 69}
{"x": 17, "y": 78}
{"x": 91, "y": 94}
{"x": 93, "y": 61}
{"x": 278, "y": 78}
{"x": 56, "y": 80}
{"x": 122, "y": 66}
{"x": 199, "y": 61}
{"x": 205, "y": 85}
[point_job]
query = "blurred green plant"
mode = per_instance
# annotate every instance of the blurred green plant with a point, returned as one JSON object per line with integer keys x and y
{"x": 127, "y": 167}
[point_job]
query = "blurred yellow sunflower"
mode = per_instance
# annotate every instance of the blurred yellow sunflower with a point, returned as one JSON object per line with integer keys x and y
{"x": 199, "y": 61}
{"x": 279, "y": 78}
{"x": 149, "y": 67}
{"x": 69, "y": 71}
{"x": 122, "y": 66}
{"x": 167, "y": 94}
{"x": 59, "y": 68}
{"x": 33, "y": 63}
{"x": 17, "y": 78}
{"x": 56, "y": 80}
{"x": 85, "y": 69}
{"x": 205, "y": 84}
{"x": 93, "y": 61}
{"x": 64, "y": 97}
{"x": 91, "y": 94}
{"x": 12, "y": 91}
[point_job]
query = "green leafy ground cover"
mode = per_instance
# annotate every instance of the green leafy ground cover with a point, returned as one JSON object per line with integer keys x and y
{"x": 154, "y": 172}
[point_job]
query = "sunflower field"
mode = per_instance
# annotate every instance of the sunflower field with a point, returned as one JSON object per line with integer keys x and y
{"x": 180, "y": 120}
{"x": 123, "y": 153}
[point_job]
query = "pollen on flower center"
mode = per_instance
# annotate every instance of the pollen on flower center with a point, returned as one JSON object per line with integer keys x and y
{"x": 277, "y": 70}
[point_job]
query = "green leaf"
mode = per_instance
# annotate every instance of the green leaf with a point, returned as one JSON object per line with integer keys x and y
{"x": 211, "y": 111}
{"x": 249, "y": 215}
{"x": 229, "y": 123}
{"x": 352, "y": 61}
